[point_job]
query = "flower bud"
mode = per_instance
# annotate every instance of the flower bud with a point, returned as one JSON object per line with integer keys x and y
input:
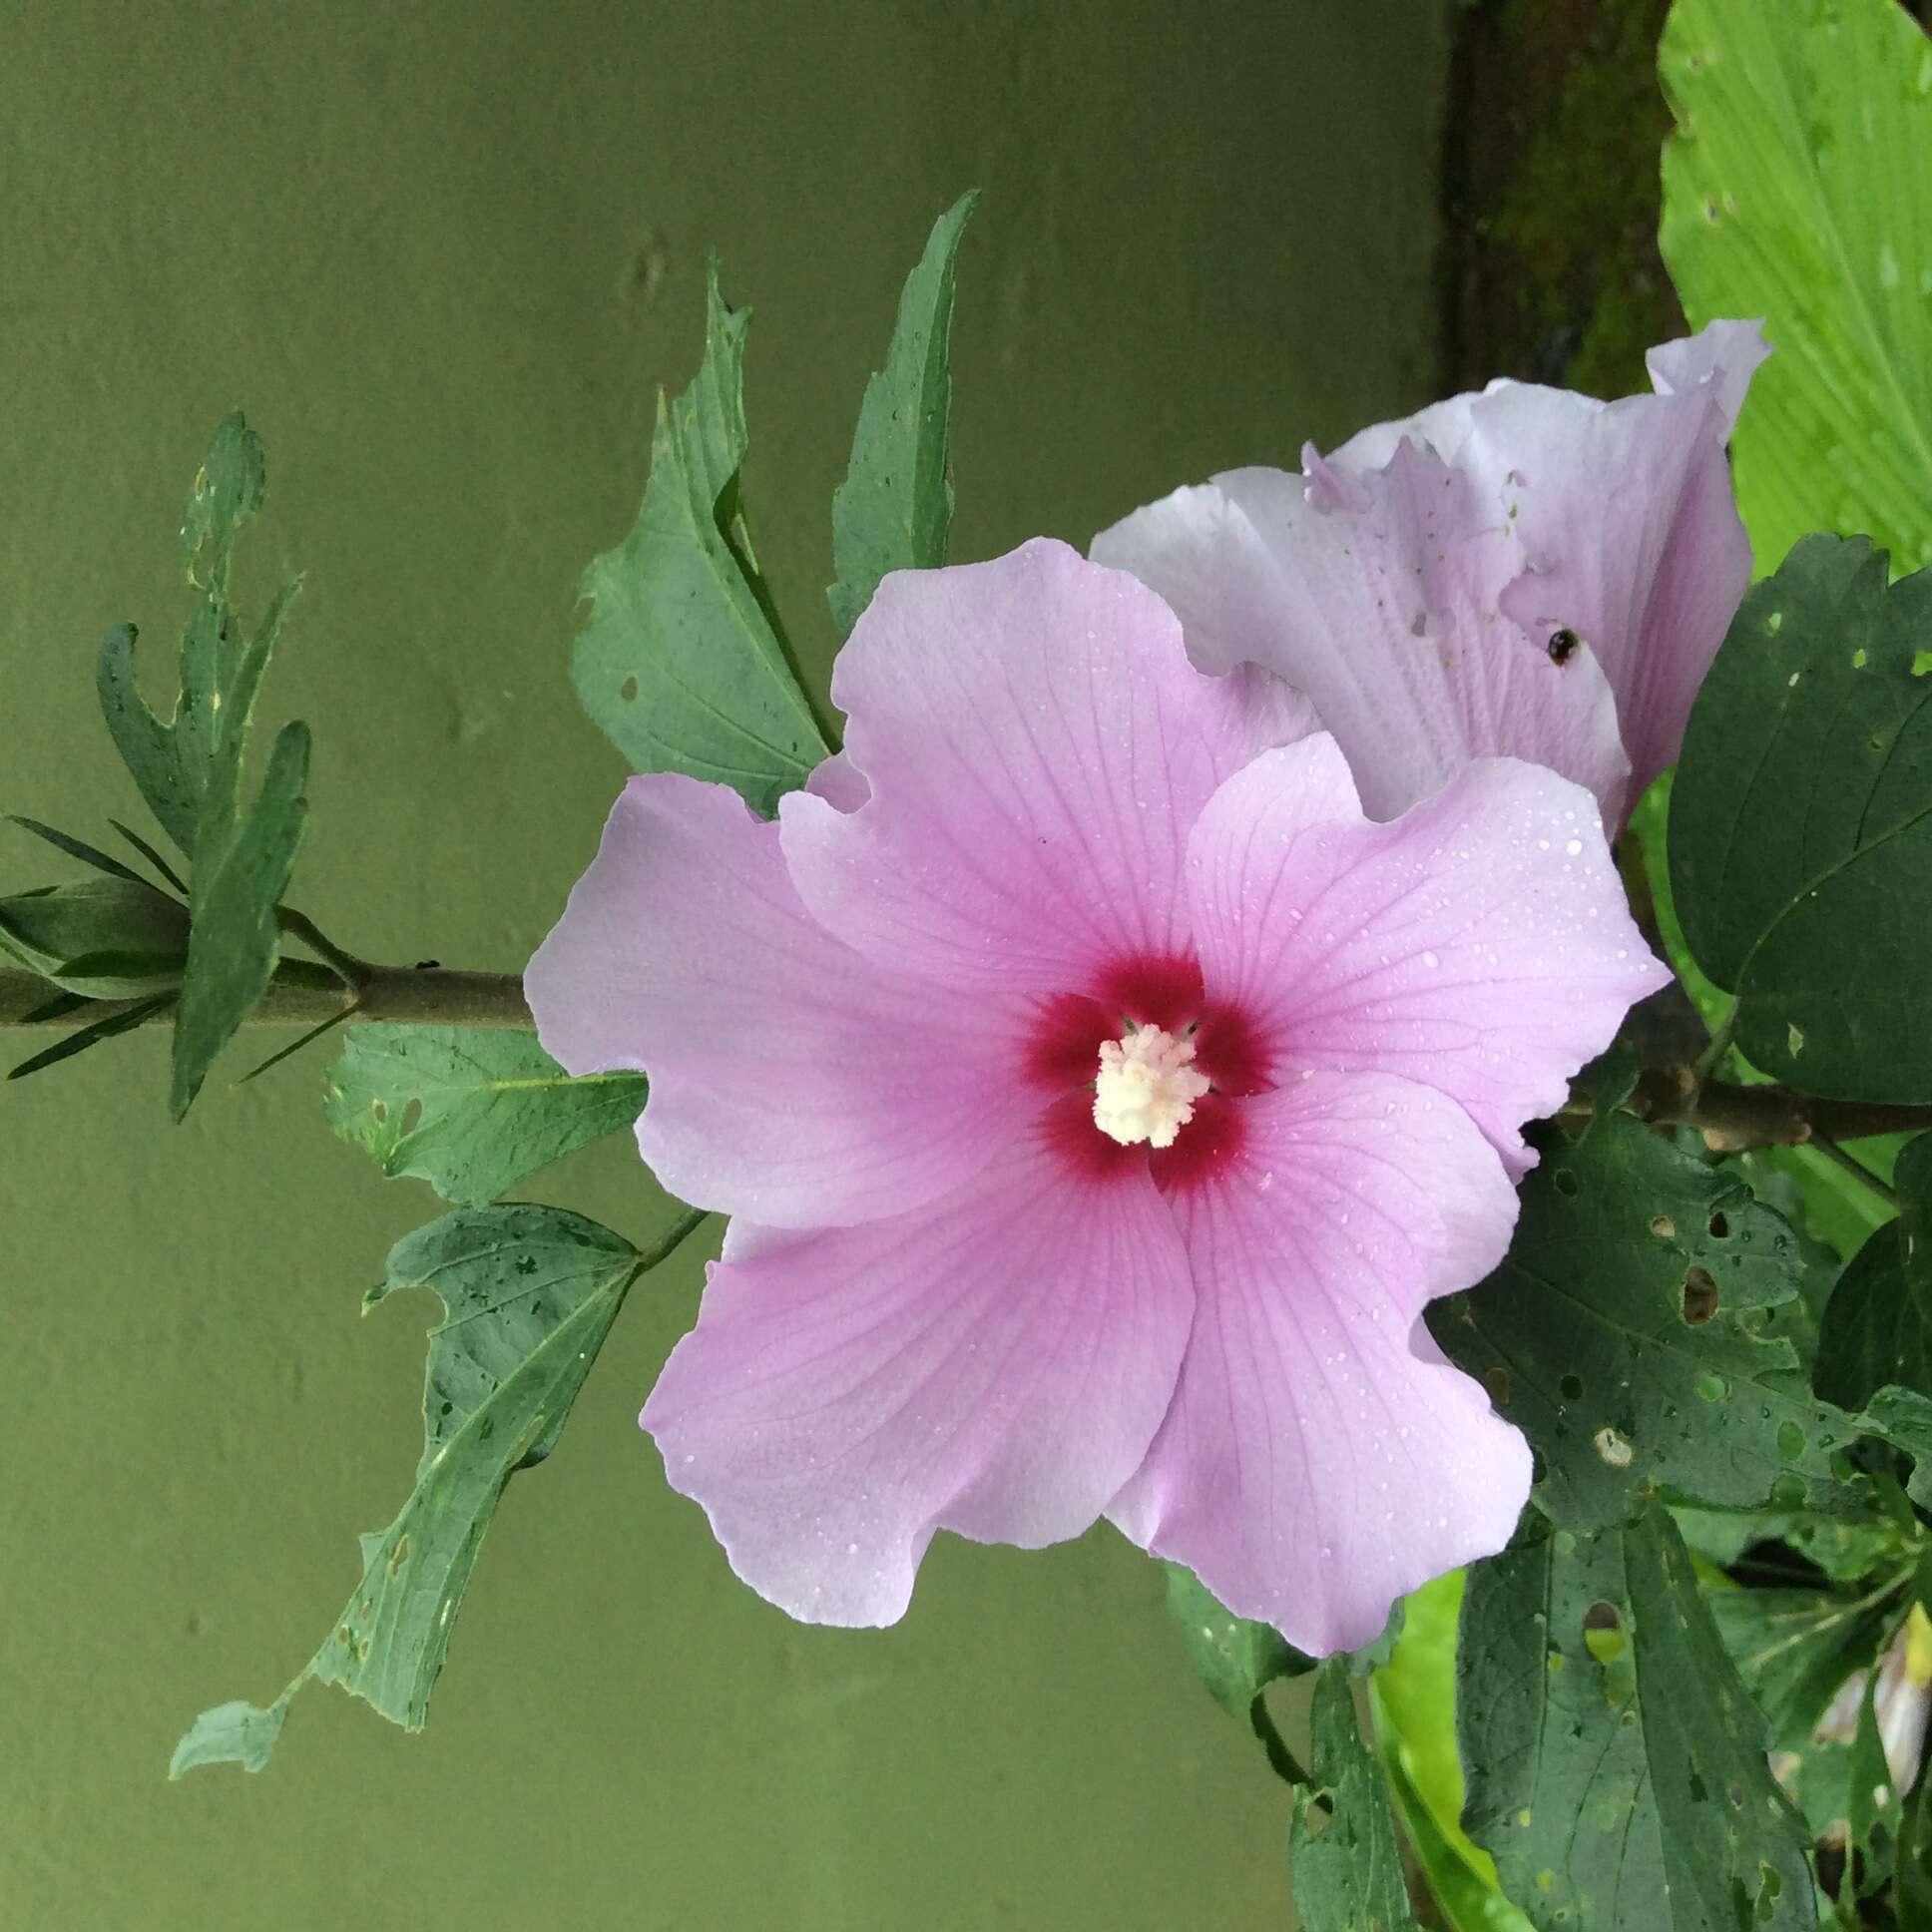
{"x": 106, "y": 938}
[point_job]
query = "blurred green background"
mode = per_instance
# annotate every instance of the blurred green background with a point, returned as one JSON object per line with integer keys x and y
{"x": 444, "y": 256}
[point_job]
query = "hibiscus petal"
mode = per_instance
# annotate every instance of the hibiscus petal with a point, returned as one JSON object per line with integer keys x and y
{"x": 994, "y": 1364}
{"x": 1624, "y": 513}
{"x": 1036, "y": 745}
{"x": 1631, "y": 529}
{"x": 1314, "y": 1466}
{"x": 1480, "y": 945}
{"x": 790, "y": 1080}
{"x": 1377, "y": 594}
{"x": 1720, "y": 359}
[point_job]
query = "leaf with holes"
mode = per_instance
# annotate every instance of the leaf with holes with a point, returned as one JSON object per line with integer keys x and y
{"x": 1346, "y": 1869}
{"x": 683, "y": 664}
{"x": 1413, "y": 1698}
{"x": 894, "y": 508}
{"x": 1635, "y": 1333}
{"x": 1801, "y": 825}
{"x": 175, "y": 760}
{"x": 190, "y": 766}
{"x": 1615, "y": 1761}
{"x": 1785, "y": 196}
{"x": 530, "y": 1293}
{"x": 471, "y": 1110}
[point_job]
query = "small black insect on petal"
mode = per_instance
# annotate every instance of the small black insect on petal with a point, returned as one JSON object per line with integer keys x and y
{"x": 1563, "y": 645}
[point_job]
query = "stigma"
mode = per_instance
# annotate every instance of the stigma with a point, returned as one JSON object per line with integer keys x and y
{"x": 1147, "y": 1088}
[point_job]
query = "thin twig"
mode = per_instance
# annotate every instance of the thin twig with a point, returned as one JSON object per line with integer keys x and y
{"x": 1732, "y": 1117}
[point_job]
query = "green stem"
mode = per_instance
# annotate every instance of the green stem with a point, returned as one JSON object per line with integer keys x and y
{"x": 298, "y": 925}
{"x": 1853, "y": 1166}
{"x": 1734, "y": 1117}
{"x": 1713, "y": 1056}
{"x": 674, "y": 1237}
{"x": 305, "y": 995}
{"x": 1283, "y": 1762}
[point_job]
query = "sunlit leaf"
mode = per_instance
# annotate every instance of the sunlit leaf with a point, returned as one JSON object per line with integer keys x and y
{"x": 1795, "y": 189}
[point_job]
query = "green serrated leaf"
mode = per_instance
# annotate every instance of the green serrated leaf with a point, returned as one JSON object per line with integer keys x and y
{"x": 230, "y": 1733}
{"x": 471, "y": 1110}
{"x": 1801, "y": 825}
{"x": 530, "y": 1293}
{"x": 197, "y": 750}
{"x": 1346, "y": 1864}
{"x": 241, "y": 868}
{"x": 895, "y": 506}
{"x": 681, "y": 664}
{"x": 1635, "y": 1333}
{"x": 109, "y": 1026}
{"x": 229, "y": 489}
{"x": 1785, "y": 196}
{"x": 1616, "y": 1763}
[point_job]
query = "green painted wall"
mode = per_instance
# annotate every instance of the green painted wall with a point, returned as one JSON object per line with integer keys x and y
{"x": 444, "y": 256}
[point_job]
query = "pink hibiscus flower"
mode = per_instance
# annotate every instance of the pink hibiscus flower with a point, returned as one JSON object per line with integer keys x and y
{"x": 1101, "y": 1097}
{"x": 1527, "y": 572}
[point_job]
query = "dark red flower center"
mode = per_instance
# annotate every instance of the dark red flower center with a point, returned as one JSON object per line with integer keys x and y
{"x": 1064, "y": 1057}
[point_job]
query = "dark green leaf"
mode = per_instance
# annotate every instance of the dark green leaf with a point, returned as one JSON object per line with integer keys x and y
{"x": 1801, "y": 825}
{"x": 1877, "y": 1326}
{"x": 58, "y": 1008}
{"x": 1236, "y": 1658}
{"x": 1784, "y": 196}
{"x": 125, "y": 1020}
{"x": 241, "y": 868}
{"x": 1635, "y": 1333}
{"x": 77, "y": 849}
{"x": 1346, "y": 1864}
{"x": 471, "y": 1110}
{"x": 1615, "y": 1763}
{"x": 152, "y": 858}
{"x": 895, "y": 506}
{"x": 681, "y": 665}
{"x": 530, "y": 1294}
{"x": 107, "y": 938}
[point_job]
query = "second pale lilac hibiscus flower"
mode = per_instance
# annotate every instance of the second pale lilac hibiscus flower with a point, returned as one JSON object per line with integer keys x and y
{"x": 1101, "y": 1097}
{"x": 1527, "y": 572}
